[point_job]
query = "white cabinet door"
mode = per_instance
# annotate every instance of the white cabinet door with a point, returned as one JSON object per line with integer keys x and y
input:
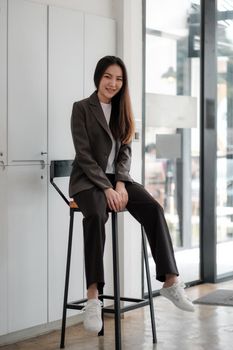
{"x": 100, "y": 40}
{"x": 27, "y": 81}
{"x": 58, "y": 240}
{"x": 27, "y": 246}
{"x": 3, "y": 252}
{"x": 3, "y": 81}
{"x": 65, "y": 77}
{"x": 65, "y": 87}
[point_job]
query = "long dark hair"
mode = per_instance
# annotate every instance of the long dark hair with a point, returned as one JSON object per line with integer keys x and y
{"x": 122, "y": 121}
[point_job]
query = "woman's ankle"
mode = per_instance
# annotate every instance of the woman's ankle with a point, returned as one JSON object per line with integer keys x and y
{"x": 92, "y": 291}
{"x": 170, "y": 279}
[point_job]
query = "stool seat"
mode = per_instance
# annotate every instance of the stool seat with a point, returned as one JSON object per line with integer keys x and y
{"x": 73, "y": 205}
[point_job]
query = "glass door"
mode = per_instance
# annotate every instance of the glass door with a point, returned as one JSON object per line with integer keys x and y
{"x": 172, "y": 132}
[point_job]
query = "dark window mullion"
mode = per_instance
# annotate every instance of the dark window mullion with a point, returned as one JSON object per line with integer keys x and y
{"x": 208, "y": 140}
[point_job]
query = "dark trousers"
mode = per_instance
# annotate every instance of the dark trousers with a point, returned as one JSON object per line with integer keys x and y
{"x": 145, "y": 209}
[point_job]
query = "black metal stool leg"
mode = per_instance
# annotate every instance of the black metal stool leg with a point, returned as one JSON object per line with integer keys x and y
{"x": 102, "y": 313}
{"x": 63, "y": 329}
{"x": 145, "y": 253}
{"x": 115, "y": 252}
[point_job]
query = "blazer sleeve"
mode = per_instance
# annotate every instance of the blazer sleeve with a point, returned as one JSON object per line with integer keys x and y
{"x": 123, "y": 163}
{"x": 83, "y": 149}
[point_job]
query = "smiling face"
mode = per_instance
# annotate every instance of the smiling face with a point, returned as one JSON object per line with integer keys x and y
{"x": 110, "y": 83}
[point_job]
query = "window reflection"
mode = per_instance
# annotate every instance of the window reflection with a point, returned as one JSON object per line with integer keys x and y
{"x": 172, "y": 68}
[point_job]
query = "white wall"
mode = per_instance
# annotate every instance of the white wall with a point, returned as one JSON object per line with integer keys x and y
{"x": 98, "y": 7}
{"x": 129, "y": 38}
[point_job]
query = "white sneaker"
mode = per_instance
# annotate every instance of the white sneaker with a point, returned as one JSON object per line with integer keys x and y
{"x": 176, "y": 294}
{"x": 92, "y": 316}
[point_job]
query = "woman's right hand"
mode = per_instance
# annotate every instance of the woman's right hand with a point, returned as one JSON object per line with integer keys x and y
{"x": 113, "y": 199}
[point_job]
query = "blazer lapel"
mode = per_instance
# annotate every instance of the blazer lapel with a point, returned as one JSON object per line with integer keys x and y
{"x": 98, "y": 112}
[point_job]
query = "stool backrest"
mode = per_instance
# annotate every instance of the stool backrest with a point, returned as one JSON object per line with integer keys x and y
{"x": 60, "y": 168}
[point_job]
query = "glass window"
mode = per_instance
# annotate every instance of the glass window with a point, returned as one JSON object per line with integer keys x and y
{"x": 172, "y": 132}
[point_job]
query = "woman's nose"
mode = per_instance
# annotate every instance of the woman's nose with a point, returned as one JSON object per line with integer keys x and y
{"x": 113, "y": 82}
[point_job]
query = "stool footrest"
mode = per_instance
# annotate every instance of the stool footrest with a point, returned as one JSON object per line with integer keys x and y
{"x": 137, "y": 303}
{"x": 74, "y": 306}
{"x": 110, "y": 309}
{"x": 111, "y": 297}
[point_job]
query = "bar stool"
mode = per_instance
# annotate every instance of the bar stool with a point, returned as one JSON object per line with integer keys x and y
{"x": 62, "y": 168}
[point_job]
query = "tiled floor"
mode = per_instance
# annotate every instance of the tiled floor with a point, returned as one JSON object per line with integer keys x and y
{"x": 208, "y": 328}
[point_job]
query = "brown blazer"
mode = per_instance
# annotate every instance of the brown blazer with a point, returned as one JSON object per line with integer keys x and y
{"x": 93, "y": 144}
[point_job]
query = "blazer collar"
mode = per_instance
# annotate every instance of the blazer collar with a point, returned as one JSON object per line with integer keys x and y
{"x": 98, "y": 111}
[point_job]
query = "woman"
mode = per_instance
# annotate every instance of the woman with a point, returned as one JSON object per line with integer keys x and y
{"x": 102, "y": 128}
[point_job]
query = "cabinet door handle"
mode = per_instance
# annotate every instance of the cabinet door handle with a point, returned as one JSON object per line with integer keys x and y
{"x": 41, "y": 161}
{"x": 43, "y": 153}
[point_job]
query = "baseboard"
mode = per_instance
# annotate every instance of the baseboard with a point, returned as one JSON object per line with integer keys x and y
{"x": 36, "y": 331}
{"x": 28, "y": 333}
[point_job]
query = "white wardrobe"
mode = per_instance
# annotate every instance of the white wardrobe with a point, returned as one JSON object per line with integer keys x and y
{"x": 47, "y": 59}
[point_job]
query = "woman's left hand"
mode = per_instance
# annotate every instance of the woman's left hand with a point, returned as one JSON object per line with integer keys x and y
{"x": 120, "y": 188}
